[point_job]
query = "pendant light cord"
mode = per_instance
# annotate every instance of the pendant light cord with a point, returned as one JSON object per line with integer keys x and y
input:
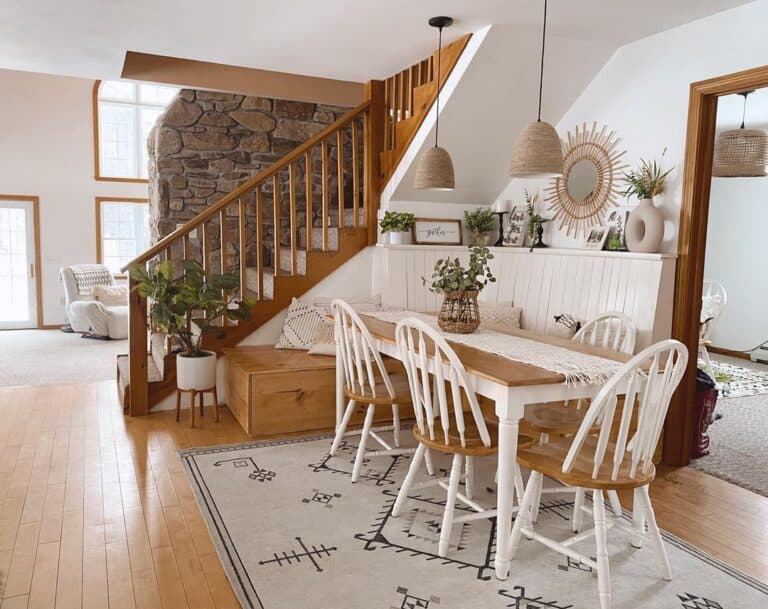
{"x": 437, "y": 100}
{"x": 541, "y": 68}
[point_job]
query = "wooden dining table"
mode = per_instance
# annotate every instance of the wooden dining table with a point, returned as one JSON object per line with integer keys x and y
{"x": 510, "y": 385}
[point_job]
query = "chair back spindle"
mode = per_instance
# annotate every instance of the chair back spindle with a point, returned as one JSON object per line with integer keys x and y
{"x": 613, "y": 330}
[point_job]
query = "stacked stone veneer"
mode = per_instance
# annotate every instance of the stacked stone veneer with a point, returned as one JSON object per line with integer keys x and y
{"x": 208, "y": 143}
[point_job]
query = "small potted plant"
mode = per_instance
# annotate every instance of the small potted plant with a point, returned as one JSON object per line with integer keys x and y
{"x": 644, "y": 231}
{"x": 185, "y": 305}
{"x": 460, "y": 286}
{"x": 481, "y": 223}
{"x": 535, "y": 222}
{"x": 398, "y": 225}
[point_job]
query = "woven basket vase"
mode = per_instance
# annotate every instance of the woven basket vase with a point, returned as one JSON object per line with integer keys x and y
{"x": 459, "y": 312}
{"x": 741, "y": 153}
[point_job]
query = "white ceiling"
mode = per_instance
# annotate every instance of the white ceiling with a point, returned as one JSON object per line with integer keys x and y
{"x": 345, "y": 39}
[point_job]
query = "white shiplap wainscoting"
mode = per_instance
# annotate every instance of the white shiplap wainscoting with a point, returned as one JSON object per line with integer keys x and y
{"x": 545, "y": 283}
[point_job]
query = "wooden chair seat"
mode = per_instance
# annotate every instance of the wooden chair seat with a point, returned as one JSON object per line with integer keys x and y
{"x": 548, "y": 459}
{"x": 556, "y": 418}
{"x": 399, "y": 384}
{"x": 474, "y": 444}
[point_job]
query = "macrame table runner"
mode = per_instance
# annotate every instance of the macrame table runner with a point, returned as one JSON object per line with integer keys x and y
{"x": 576, "y": 367}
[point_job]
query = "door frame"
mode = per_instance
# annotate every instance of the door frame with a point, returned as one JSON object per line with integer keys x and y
{"x": 35, "y": 200}
{"x": 692, "y": 243}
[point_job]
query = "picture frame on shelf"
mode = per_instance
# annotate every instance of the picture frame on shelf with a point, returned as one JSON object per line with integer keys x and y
{"x": 516, "y": 227}
{"x": 596, "y": 236}
{"x": 617, "y": 224}
{"x": 437, "y": 231}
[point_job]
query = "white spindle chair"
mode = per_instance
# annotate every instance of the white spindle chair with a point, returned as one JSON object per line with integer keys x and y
{"x": 594, "y": 462}
{"x": 713, "y": 301}
{"x": 613, "y": 331}
{"x": 366, "y": 381}
{"x": 448, "y": 420}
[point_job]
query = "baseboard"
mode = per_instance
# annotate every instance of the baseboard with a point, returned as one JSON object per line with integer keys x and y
{"x": 728, "y": 352}
{"x": 50, "y": 327}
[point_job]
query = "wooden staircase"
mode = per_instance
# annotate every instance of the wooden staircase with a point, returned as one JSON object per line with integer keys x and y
{"x": 291, "y": 225}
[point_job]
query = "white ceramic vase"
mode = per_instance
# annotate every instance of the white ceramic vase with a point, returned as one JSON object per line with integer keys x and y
{"x": 196, "y": 373}
{"x": 645, "y": 228}
{"x": 400, "y": 237}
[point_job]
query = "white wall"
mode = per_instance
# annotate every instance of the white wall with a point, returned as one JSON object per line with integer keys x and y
{"x": 642, "y": 93}
{"x": 46, "y": 149}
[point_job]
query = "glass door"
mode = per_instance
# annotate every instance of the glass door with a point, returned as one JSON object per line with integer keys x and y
{"x": 18, "y": 293}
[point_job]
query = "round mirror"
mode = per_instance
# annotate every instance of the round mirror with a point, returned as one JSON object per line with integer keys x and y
{"x": 582, "y": 179}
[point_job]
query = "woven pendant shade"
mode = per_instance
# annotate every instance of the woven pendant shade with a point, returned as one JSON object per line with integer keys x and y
{"x": 741, "y": 153}
{"x": 435, "y": 170}
{"x": 538, "y": 152}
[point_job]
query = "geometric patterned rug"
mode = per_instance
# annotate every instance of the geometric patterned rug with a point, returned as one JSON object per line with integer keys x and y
{"x": 738, "y": 381}
{"x": 291, "y": 531}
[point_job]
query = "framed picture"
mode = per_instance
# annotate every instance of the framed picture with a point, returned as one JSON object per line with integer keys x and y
{"x": 434, "y": 231}
{"x": 617, "y": 223}
{"x": 516, "y": 227}
{"x": 596, "y": 237}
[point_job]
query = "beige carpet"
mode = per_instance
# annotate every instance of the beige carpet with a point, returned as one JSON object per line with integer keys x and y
{"x": 291, "y": 530}
{"x": 51, "y": 357}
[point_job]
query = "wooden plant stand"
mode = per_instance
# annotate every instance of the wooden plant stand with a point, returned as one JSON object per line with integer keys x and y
{"x": 193, "y": 393}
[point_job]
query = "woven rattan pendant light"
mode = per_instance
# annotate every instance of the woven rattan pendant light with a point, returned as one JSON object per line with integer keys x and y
{"x": 434, "y": 170}
{"x": 741, "y": 153}
{"x": 538, "y": 152}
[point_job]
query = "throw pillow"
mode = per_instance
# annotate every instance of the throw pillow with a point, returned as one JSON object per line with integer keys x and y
{"x": 566, "y": 326}
{"x": 323, "y": 343}
{"x": 361, "y": 304}
{"x": 501, "y": 314}
{"x": 111, "y": 295}
{"x": 301, "y": 324}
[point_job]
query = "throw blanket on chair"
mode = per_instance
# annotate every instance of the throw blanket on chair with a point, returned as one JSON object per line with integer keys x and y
{"x": 88, "y": 276}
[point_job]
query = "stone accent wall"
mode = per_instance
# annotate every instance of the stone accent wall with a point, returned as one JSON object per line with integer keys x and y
{"x": 208, "y": 143}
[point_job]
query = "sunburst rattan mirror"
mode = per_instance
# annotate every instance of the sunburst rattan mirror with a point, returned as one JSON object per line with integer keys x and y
{"x": 589, "y": 184}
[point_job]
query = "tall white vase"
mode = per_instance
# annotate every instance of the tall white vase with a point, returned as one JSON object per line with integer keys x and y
{"x": 645, "y": 228}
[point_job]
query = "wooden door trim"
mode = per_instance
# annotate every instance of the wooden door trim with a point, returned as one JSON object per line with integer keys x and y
{"x": 35, "y": 200}
{"x": 694, "y": 212}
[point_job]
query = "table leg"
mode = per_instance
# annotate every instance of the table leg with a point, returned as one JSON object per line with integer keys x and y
{"x": 508, "y": 430}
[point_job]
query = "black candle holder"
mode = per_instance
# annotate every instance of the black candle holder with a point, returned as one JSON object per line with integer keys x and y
{"x": 500, "y": 240}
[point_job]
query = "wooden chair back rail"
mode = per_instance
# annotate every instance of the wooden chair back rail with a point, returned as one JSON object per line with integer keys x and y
{"x": 431, "y": 365}
{"x": 647, "y": 392}
{"x": 362, "y": 363}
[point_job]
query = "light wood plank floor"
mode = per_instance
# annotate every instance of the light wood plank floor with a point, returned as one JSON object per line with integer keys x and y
{"x": 97, "y": 513}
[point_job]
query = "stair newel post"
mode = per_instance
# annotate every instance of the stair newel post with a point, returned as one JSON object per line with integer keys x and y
{"x": 138, "y": 326}
{"x": 340, "y": 174}
{"x": 260, "y": 241}
{"x": 292, "y": 220}
{"x": 373, "y": 145}
{"x": 276, "y": 221}
{"x": 355, "y": 174}
{"x": 223, "y": 238}
{"x": 242, "y": 246}
{"x": 326, "y": 193}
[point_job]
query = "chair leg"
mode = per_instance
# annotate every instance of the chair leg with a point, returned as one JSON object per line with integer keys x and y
{"x": 215, "y": 405}
{"x": 577, "y": 518}
{"x": 363, "y": 439}
{"x": 519, "y": 485}
{"x": 396, "y": 424}
{"x": 453, "y": 488}
{"x": 523, "y": 515}
{"x": 428, "y": 462}
{"x": 343, "y": 426}
{"x": 178, "y": 405}
{"x": 537, "y": 500}
{"x": 469, "y": 466}
{"x": 601, "y": 540}
{"x": 638, "y": 519}
{"x": 613, "y": 497}
{"x": 653, "y": 529}
{"x": 408, "y": 482}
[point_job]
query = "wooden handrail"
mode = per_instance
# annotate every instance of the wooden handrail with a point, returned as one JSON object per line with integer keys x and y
{"x": 246, "y": 187}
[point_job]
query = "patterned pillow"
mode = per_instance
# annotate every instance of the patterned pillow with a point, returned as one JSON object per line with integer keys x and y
{"x": 111, "y": 295}
{"x": 501, "y": 314}
{"x": 361, "y": 304}
{"x": 301, "y": 324}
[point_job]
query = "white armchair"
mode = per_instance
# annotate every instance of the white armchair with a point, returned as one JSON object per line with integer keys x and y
{"x": 84, "y": 312}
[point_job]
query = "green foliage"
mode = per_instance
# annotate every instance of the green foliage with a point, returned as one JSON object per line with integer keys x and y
{"x": 396, "y": 222}
{"x": 615, "y": 241}
{"x": 480, "y": 220}
{"x": 534, "y": 219}
{"x": 450, "y": 276}
{"x": 181, "y": 300}
{"x": 646, "y": 181}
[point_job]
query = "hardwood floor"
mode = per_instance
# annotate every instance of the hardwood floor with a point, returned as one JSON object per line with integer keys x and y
{"x": 97, "y": 513}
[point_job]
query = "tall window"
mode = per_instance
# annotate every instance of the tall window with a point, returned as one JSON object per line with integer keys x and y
{"x": 123, "y": 231}
{"x": 126, "y": 113}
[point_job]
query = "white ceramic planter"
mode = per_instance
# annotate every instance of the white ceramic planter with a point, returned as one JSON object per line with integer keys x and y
{"x": 645, "y": 228}
{"x": 196, "y": 373}
{"x": 400, "y": 237}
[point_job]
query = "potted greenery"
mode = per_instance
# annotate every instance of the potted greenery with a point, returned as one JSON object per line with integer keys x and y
{"x": 460, "y": 286}
{"x": 398, "y": 225}
{"x": 481, "y": 223}
{"x": 535, "y": 222}
{"x": 644, "y": 231}
{"x": 186, "y": 305}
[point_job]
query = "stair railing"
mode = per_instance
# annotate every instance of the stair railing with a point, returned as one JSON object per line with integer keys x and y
{"x": 338, "y": 164}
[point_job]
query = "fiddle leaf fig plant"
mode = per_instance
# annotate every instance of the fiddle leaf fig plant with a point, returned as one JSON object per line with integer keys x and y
{"x": 396, "y": 222}
{"x": 451, "y": 276}
{"x": 186, "y": 304}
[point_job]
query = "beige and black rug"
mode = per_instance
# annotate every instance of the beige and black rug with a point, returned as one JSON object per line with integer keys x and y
{"x": 292, "y": 531}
